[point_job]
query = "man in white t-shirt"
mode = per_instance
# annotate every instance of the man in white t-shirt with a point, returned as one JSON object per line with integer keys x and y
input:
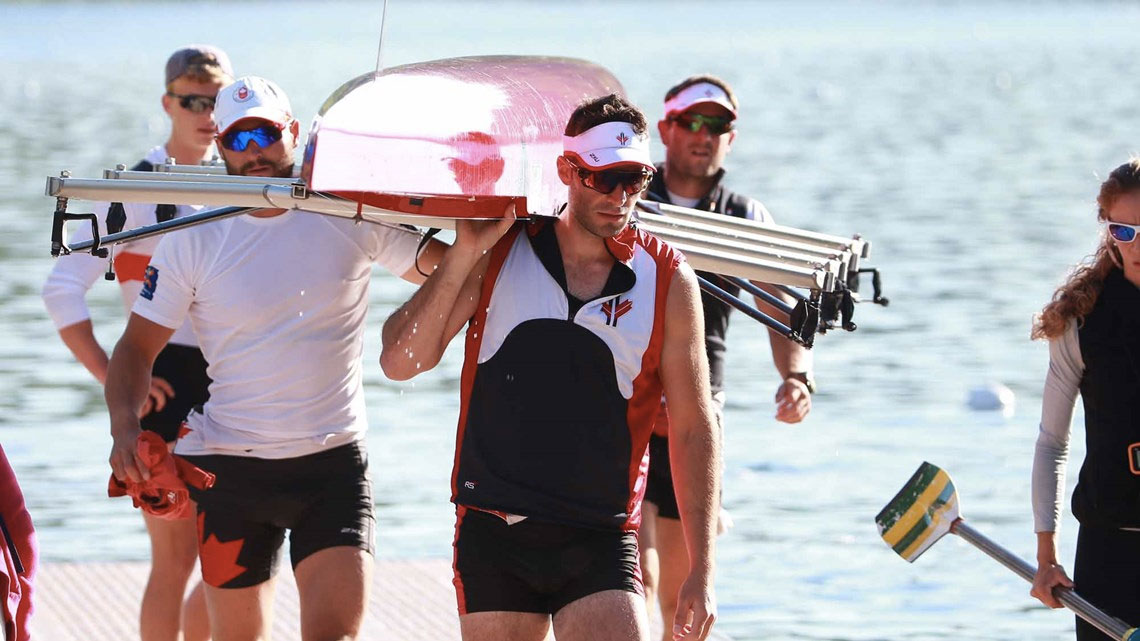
{"x": 194, "y": 74}
{"x": 277, "y": 299}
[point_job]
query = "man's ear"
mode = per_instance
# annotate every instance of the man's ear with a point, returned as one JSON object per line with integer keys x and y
{"x": 295, "y": 129}
{"x": 731, "y": 138}
{"x": 565, "y": 171}
{"x": 167, "y": 103}
{"x": 663, "y": 130}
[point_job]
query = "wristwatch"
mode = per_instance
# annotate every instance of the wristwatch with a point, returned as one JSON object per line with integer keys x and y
{"x": 805, "y": 378}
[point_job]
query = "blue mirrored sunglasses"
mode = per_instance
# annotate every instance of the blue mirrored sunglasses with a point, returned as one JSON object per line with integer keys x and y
{"x": 1123, "y": 233}
{"x": 263, "y": 135}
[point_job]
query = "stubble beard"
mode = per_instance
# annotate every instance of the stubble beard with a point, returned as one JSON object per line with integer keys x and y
{"x": 282, "y": 170}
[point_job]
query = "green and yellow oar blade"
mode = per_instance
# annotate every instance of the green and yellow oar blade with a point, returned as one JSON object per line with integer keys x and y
{"x": 920, "y": 514}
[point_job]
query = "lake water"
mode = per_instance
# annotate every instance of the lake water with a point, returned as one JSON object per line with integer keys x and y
{"x": 967, "y": 141}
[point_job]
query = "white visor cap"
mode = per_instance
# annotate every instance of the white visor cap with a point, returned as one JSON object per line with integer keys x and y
{"x": 251, "y": 97}
{"x": 608, "y": 145}
{"x": 696, "y": 94}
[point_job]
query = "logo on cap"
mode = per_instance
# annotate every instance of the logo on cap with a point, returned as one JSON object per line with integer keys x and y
{"x": 708, "y": 93}
{"x": 623, "y": 139}
{"x": 242, "y": 94}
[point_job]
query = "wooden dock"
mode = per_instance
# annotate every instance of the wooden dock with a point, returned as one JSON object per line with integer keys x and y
{"x": 411, "y": 600}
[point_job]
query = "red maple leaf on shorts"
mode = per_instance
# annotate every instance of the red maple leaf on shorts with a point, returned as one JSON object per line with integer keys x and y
{"x": 219, "y": 558}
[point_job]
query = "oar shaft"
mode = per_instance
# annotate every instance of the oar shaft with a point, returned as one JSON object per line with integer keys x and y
{"x": 1104, "y": 622}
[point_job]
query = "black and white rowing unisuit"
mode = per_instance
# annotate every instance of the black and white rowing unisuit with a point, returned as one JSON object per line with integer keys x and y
{"x": 558, "y": 400}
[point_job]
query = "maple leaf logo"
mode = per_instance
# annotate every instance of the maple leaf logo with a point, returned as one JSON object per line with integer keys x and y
{"x": 623, "y": 139}
{"x": 219, "y": 558}
{"x": 708, "y": 93}
{"x": 615, "y": 309}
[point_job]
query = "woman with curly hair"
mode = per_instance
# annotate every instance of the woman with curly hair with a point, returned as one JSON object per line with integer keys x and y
{"x": 1093, "y": 328}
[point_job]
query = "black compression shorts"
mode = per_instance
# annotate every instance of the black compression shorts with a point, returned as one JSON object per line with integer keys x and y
{"x": 323, "y": 499}
{"x": 537, "y": 566}
{"x": 185, "y": 369}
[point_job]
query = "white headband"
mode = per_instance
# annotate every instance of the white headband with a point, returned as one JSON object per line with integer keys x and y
{"x": 609, "y": 144}
{"x": 698, "y": 93}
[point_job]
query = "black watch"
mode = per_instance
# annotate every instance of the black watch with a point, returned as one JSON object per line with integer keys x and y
{"x": 805, "y": 378}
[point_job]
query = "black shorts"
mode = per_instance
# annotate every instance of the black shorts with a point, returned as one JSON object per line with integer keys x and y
{"x": 323, "y": 499}
{"x": 659, "y": 483}
{"x": 185, "y": 369}
{"x": 537, "y": 566}
{"x": 1107, "y": 573}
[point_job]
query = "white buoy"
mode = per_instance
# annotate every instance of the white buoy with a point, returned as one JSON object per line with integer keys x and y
{"x": 992, "y": 397}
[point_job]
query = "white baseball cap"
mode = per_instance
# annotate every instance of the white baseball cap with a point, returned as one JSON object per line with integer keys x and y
{"x": 696, "y": 94}
{"x": 251, "y": 97}
{"x": 610, "y": 144}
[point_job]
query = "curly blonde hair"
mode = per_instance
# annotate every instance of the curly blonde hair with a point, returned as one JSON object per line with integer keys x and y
{"x": 1076, "y": 297}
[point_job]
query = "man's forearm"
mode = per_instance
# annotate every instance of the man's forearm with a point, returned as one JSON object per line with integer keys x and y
{"x": 789, "y": 356}
{"x": 80, "y": 339}
{"x": 415, "y": 335}
{"x": 128, "y": 381}
{"x": 696, "y": 459}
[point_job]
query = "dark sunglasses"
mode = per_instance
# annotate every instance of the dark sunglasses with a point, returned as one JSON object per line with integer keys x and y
{"x": 1123, "y": 233}
{"x": 263, "y": 135}
{"x": 605, "y": 181}
{"x": 693, "y": 122}
{"x": 194, "y": 103}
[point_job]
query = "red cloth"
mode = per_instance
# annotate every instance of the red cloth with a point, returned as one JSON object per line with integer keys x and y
{"x": 19, "y": 554}
{"x": 164, "y": 495}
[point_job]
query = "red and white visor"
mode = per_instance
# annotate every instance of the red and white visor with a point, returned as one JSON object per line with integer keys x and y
{"x": 608, "y": 145}
{"x": 696, "y": 94}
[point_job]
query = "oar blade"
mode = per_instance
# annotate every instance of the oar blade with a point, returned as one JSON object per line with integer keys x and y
{"x": 920, "y": 514}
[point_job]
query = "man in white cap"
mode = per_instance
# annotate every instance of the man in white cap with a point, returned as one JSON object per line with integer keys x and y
{"x": 698, "y": 131}
{"x": 194, "y": 74}
{"x": 278, "y": 300}
{"x": 575, "y": 328}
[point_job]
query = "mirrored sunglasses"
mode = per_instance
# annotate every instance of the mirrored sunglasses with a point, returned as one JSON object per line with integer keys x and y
{"x": 1123, "y": 233}
{"x": 263, "y": 135}
{"x": 693, "y": 122}
{"x": 605, "y": 181}
{"x": 194, "y": 103}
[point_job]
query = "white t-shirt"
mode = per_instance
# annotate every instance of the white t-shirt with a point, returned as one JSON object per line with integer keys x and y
{"x": 65, "y": 291}
{"x": 278, "y": 306}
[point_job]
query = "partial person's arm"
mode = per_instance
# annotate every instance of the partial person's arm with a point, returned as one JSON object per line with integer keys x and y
{"x": 427, "y": 261}
{"x": 793, "y": 399}
{"x": 1051, "y": 455}
{"x": 415, "y": 335}
{"x": 694, "y": 450}
{"x": 128, "y": 382}
{"x": 65, "y": 296}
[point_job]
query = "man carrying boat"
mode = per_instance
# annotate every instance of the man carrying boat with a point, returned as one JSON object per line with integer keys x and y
{"x": 278, "y": 300}
{"x": 698, "y": 131}
{"x": 575, "y": 327}
{"x": 194, "y": 74}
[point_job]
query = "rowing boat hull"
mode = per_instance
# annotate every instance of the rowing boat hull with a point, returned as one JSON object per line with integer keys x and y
{"x": 457, "y": 137}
